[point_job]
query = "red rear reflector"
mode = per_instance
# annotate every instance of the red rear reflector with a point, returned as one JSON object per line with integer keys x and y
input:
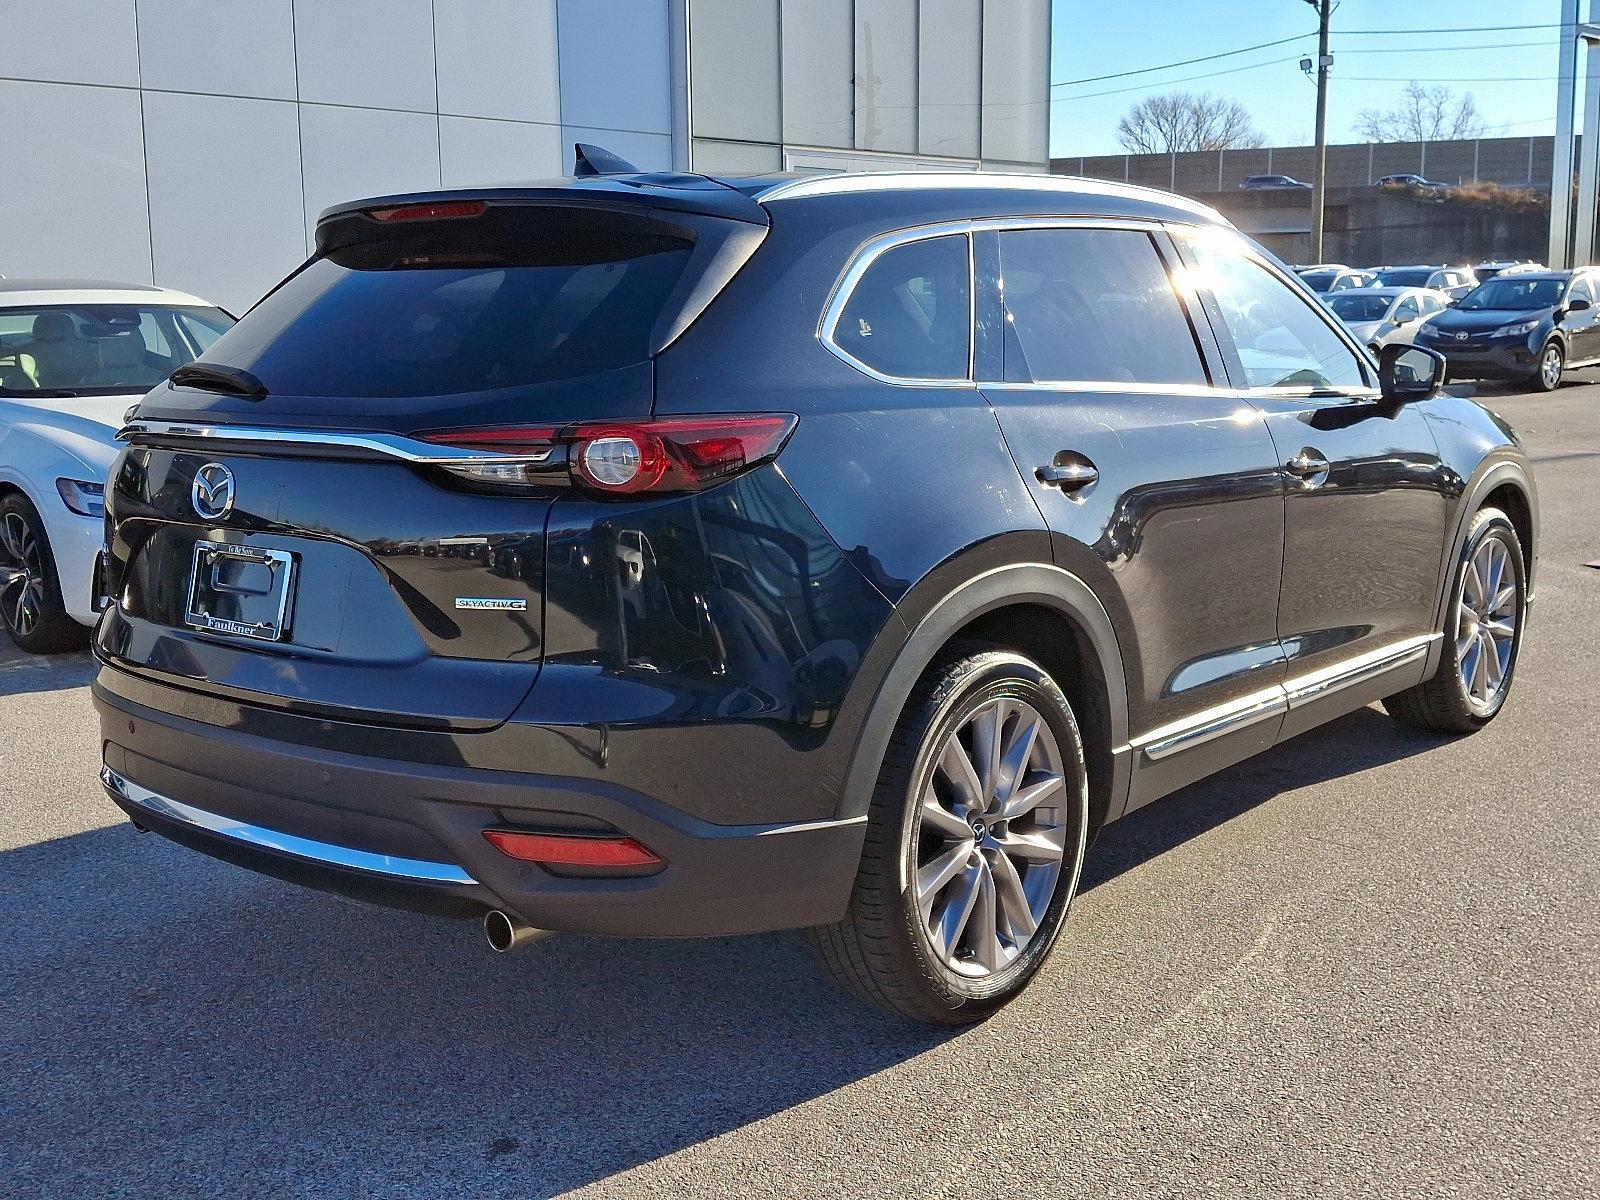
{"x": 438, "y": 210}
{"x": 513, "y": 440}
{"x": 571, "y": 850}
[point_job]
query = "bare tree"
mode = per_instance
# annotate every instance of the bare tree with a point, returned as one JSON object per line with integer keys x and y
{"x": 1181, "y": 121}
{"x": 1424, "y": 114}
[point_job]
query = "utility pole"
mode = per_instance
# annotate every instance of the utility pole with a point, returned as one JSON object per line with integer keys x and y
{"x": 1319, "y": 172}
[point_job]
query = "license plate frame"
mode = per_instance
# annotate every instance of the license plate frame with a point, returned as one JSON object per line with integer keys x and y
{"x": 237, "y": 609}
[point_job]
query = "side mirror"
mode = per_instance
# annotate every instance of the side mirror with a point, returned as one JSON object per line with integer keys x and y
{"x": 1578, "y": 306}
{"x": 1410, "y": 372}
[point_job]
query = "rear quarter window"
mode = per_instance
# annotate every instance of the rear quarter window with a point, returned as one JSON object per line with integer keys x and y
{"x": 910, "y": 314}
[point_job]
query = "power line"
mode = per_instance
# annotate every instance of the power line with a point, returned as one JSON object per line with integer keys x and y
{"x": 1445, "y": 49}
{"x": 1139, "y": 87}
{"x": 1456, "y": 29}
{"x": 1186, "y": 62}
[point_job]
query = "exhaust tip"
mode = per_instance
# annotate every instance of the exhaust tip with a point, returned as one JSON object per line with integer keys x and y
{"x": 506, "y": 933}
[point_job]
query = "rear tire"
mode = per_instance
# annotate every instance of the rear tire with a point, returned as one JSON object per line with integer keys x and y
{"x": 1483, "y": 635}
{"x": 907, "y": 944}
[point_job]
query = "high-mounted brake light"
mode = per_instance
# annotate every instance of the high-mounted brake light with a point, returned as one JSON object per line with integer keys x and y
{"x": 624, "y": 458}
{"x": 571, "y": 850}
{"x": 438, "y": 210}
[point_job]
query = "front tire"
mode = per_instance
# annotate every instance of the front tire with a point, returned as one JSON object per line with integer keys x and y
{"x": 30, "y": 603}
{"x": 1488, "y": 608}
{"x": 1552, "y": 365}
{"x": 975, "y": 840}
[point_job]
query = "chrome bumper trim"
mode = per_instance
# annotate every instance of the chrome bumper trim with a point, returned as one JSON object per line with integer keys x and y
{"x": 284, "y": 843}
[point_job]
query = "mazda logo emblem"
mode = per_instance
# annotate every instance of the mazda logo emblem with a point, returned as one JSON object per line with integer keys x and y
{"x": 212, "y": 493}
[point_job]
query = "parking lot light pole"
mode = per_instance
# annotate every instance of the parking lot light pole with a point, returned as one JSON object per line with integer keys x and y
{"x": 1319, "y": 169}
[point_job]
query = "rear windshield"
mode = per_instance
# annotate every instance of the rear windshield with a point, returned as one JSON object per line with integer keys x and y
{"x": 518, "y": 295}
{"x": 1353, "y": 306}
{"x": 100, "y": 349}
{"x": 1405, "y": 277}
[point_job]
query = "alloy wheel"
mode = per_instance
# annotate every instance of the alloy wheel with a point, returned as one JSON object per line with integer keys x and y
{"x": 1487, "y": 610}
{"x": 22, "y": 596}
{"x": 991, "y": 836}
{"x": 1550, "y": 366}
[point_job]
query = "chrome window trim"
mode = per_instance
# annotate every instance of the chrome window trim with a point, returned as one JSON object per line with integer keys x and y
{"x": 393, "y": 445}
{"x": 388, "y": 865}
{"x": 870, "y": 251}
{"x": 867, "y": 254}
{"x": 1281, "y": 698}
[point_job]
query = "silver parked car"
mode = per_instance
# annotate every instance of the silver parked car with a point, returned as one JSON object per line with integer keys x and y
{"x": 1381, "y": 315}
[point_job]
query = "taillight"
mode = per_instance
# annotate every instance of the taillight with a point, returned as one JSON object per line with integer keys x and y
{"x": 625, "y": 458}
{"x": 571, "y": 850}
{"x": 437, "y": 210}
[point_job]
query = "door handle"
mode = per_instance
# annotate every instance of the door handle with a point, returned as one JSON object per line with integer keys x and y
{"x": 1069, "y": 472}
{"x": 1308, "y": 464}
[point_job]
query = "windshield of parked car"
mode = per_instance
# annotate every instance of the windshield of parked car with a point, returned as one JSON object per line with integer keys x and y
{"x": 1319, "y": 281}
{"x": 1354, "y": 306}
{"x": 1508, "y": 293}
{"x": 100, "y": 349}
{"x": 1406, "y": 277}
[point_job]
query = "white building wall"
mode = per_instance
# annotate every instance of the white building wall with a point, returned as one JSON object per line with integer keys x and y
{"x": 193, "y": 142}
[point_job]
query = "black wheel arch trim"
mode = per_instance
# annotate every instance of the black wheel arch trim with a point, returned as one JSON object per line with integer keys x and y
{"x": 1496, "y": 471}
{"x": 1001, "y": 586}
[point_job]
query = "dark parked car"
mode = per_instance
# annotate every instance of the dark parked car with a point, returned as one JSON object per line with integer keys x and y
{"x": 664, "y": 555}
{"x": 1267, "y": 183}
{"x": 1412, "y": 181}
{"x": 1528, "y": 326}
{"x": 1486, "y": 271}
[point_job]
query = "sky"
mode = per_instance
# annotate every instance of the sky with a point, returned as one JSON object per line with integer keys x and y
{"x": 1512, "y": 80}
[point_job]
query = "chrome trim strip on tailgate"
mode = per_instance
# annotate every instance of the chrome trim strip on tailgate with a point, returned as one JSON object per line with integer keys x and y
{"x": 285, "y": 843}
{"x": 393, "y": 445}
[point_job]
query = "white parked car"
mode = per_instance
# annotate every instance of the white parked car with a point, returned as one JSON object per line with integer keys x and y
{"x": 1381, "y": 315}
{"x": 74, "y": 356}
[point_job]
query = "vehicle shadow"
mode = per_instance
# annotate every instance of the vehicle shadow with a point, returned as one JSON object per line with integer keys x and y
{"x": 1364, "y": 739}
{"x": 22, "y": 674}
{"x": 180, "y": 1025}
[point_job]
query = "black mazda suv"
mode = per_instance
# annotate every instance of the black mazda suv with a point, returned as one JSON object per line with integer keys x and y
{"x": 655, "y": 554}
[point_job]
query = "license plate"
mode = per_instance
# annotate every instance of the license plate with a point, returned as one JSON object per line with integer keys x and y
{"x": 241, "y": 590}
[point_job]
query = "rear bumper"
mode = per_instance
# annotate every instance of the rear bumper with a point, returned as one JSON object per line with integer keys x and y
{"x": 411, "y": 835}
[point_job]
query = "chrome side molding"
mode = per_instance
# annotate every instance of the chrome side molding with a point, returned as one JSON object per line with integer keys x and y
{"x": 326, "y": 853}
{"x": 1280, "y": 698}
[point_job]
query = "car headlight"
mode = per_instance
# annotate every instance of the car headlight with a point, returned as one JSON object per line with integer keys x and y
{"x": 1520, "y": 329}
{"x": 83, "y": 497}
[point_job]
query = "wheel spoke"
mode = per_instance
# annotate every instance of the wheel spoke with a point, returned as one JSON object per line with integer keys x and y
{"x": 9, "y": 538}
{"x": 1502, "y": 600}
{"x": 1493, "y": 669}
{"x": 1014, "y": 906}
{"x": 1028, "y": 797}
{"x": 1504, "y": 630}
{"x": 939, "y": 819}
{"x": 987, "y": 730}
{"x": 1014, "y": 759}
{"x": 951, "y": 919}
{"x": 1036, "y": 846}
{"x": 983, "y": 931}
{"x": 933, "y": 876}
{"x": 956, "y": 766}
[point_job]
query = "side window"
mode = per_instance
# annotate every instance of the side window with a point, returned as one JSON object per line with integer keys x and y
{"x": 1092, "y": 306}
{"x": 910, "y": 314}
{"x": 1282, "y": 341}
{"x": 1581, "y": 291}
{"x": 1407, "y": 310}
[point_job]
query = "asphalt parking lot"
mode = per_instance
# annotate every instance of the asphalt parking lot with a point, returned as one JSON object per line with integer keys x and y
{"x": 1366, "y": 963}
